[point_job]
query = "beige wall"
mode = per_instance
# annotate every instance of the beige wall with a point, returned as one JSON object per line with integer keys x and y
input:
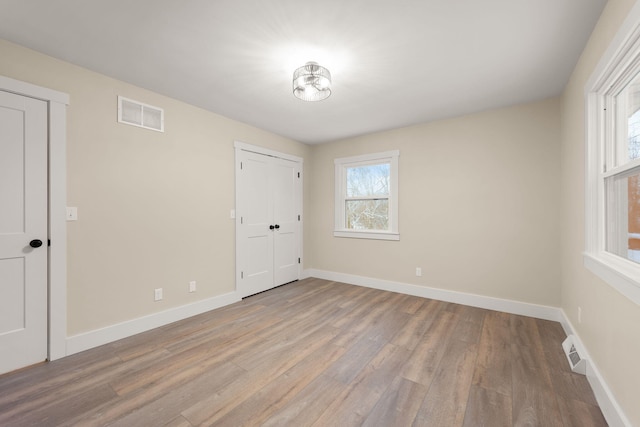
{"x": 153, "y": 207}
{"x": 481, "y": 210}
{"x": 479, "y": 205}
{"x": 610, "y": 326}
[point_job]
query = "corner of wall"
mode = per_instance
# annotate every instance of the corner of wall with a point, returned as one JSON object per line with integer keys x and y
{"x": 609, "y": 406}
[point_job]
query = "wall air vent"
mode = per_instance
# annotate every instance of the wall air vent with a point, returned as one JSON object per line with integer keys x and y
{"x": 574, "y": 355}
{"x": 138, "y": 114}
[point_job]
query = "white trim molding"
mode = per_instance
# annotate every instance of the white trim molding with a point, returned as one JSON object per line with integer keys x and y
{"x": 357, "y": 234}
{"x": 490, "y": 303}
{"x": 616, "y": 272}
{"x": 609, "y": 406}
{"x": 341, "y": 166}
{"x": 23, "y": 88}
{"x": 106, "y": 335}
{"x": 606, "y": 228}
{"x": 57, "y": 193}
{"x": 265, "y": 151}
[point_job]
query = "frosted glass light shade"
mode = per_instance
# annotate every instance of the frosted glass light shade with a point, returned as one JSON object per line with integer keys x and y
{"x": 311, "y": 82}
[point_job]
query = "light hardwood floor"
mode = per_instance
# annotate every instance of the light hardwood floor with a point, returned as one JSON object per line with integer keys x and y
{"x": 315, "y": 353}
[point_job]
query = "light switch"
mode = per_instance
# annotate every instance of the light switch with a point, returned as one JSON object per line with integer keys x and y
{"x": 72, "y": 213}
{"x": 232, "y": 214}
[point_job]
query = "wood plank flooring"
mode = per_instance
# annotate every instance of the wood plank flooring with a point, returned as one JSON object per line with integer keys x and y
{"x": 315, "y": 353}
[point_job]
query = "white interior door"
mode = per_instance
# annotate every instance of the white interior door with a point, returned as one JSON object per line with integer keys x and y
{"x": 23, "y": 223}
{"x": 256, "y": 238}
{"x": 268, "y": 209}
{"x": 286, "y": 188}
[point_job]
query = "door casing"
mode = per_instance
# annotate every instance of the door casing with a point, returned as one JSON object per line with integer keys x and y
{"x": 241, "y": 146}
{"x": 57, "y": 195}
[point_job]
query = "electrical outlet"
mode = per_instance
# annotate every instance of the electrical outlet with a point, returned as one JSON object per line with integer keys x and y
{"x": 72, "y": 213}
{"x": 579, "y": 314}
{"x": 418, "y": 271}
{"x": 157, "y": 294}
{"x": 192, "y": 286}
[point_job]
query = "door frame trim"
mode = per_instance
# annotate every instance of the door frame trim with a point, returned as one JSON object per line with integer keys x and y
{"x": 57, "y": 196}
{"x": 243, "y": 146}
{"x": 265, "y": 151}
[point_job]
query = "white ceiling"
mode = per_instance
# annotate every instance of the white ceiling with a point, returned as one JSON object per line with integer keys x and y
{"x": 394, "y": 63}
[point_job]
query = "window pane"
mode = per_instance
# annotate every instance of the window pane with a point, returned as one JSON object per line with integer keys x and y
{"x": 634, "y": 136}
{"x": 628, "y": 123}
{"x": 367, "y": 214}
{"x": 623, "y": 216}
{"x": 371, "y": 180}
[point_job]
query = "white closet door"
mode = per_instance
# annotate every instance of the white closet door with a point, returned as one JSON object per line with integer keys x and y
{"x": 255, "y": 208}
{"x": 23, "y": 231}
{"x": 268, "y": 209}
{"x": 286, "y": 188}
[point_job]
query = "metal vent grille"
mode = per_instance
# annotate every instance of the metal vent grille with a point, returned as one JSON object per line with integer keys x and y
{"x": 138, "y": 114}
{"x": 574, "y": 357}
{"x": 577, "y": 363}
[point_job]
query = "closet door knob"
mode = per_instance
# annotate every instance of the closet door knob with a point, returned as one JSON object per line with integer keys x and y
{"x": 277, "y": 226}
{"x": 35, "y": 243}
{"x": 271, "y": 227}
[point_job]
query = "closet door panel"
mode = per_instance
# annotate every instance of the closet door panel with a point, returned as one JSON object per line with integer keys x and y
{"x": 285, "y": 213}
{"x": 268, "y": 219}
{"x": 255, "y": 206}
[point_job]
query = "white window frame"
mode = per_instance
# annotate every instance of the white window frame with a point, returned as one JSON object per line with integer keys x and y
{"x": 341, "y": 166}
{"x": 618, "y": 66}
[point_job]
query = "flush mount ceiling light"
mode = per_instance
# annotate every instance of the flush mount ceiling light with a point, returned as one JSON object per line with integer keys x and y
{"x": 311, "y": 82}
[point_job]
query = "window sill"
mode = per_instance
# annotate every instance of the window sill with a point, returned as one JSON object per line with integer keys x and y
{"x": 377, "y": 235}
{"x": 621, "y": 274}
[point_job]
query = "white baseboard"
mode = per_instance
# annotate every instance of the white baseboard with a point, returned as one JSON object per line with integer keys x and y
{"x": 304, "y": 274}
{"x": 609, "y": 406}
{"x": 95, "y": 338}
{"x": 490, "y": 303}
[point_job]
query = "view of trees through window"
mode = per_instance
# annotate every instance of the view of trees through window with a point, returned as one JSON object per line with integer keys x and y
{"x": 367, "y": 198}
{"x": 633, "y": 139}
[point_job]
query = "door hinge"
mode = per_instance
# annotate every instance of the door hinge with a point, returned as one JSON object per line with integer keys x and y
{"x": 48, "y": 242}
{"x": 298, "y": 174}
{"x": 298, "y": 217}
{"x": 298, "y": 260}
{"x": 241, "y": 220}
{"x": 240, "y": 165}
{"x": 242, "y": 274}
